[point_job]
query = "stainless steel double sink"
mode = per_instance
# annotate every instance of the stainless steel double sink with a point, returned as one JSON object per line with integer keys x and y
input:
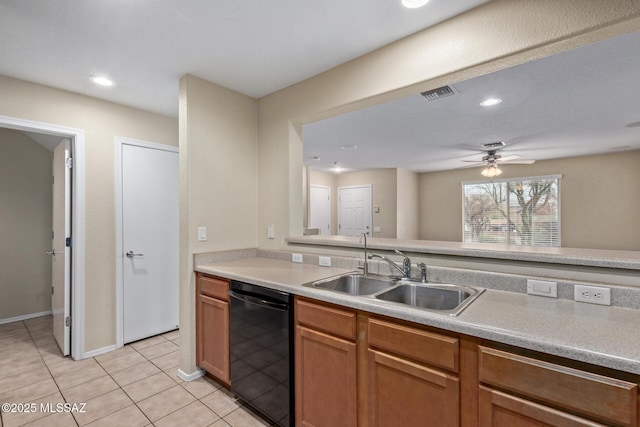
{"x": 442, "y": 298}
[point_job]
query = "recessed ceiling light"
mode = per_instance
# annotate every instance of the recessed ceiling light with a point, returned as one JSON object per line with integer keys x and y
{"x": 102, "y": 81}
{"x": 316, "y": 158}
{"x": 490, "y": 101}
{"x": 348, "y": 147}
{"x": 414, "y": 4}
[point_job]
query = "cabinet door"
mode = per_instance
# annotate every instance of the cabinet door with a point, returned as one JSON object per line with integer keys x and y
{"x": 498, "y": 409}
{"x": 213, "y": 337}
{"x": 325, "y": 380}
{"x": 403, "y": 393}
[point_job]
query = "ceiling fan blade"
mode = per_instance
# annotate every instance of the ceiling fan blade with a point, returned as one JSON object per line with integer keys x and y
{"x": 509, "y": 157}
{"x": 518, "y": 162}
{"x": 473, "y": 165}
{"x": 472, "y": 161}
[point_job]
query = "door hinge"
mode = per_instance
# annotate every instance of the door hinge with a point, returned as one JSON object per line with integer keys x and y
{"x": 68, "y": 242}
{"x": 52, "y": 234}
{"x": 52, "y": 290}
{"x": 68, "y": 162}
{"x": 67, "y": 321}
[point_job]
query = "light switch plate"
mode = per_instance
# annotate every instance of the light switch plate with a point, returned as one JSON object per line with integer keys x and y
{"x": 542, "y": 288}
{"x": 324, "y": 261}
{"x": 202, "y": 234}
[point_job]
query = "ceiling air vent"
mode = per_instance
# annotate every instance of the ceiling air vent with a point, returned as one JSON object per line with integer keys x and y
{"x": 438, "y": 93}
{"x": 493, "y": 145}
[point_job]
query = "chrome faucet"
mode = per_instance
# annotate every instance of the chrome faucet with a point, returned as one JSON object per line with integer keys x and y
{"x": 391, "y": 263}
{"x": 365, "y": 266}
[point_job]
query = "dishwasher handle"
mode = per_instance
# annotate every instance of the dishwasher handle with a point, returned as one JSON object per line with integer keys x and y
{"x": 258, "y": 300}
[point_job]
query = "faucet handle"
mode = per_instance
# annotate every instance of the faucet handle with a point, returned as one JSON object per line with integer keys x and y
{"x": 406, "y": 263}
{"x": 423, "y": 272}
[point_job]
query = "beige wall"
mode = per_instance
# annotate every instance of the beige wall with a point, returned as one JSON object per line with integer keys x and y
{"x": 458, "y": 49}
{"x": 599, "y": 200}
{"x": 218, "y": 184}
{"x": 25, "y": 225}
{"x": 102, "y": 121}
{"x": 408, "y": 216}
{"x": 383, "y": 194}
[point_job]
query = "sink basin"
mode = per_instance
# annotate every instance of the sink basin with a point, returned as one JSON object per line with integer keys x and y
{"x": 353, "y": 284}
{"x": 443, "y": 298}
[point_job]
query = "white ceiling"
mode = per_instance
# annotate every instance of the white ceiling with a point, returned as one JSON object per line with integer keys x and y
{"x": 572, "y": 104}
{"x": 252, "y": 46}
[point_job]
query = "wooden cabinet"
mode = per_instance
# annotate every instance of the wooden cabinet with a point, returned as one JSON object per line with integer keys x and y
{"x": 522, "y": 391}
{"x": 325, "y": 365}
{"x": 212, "y": 326}
{"x": 411, "y": 377}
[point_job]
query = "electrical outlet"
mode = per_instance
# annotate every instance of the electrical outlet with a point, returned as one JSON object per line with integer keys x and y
{"x": 271, "y": 231}
{"x": 592, "y": 294}
{"x": 542, "y": 288}
{"x": 324, "y": 261}
{"x": 296, "y": 257}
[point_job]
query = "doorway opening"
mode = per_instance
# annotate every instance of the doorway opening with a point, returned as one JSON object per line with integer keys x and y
{"x": 73, "y": 334}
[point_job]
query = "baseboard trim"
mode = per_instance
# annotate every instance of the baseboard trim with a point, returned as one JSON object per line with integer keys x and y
{"x": 24, "y": 317}
{"x": 99, "y": 351}
{"x": 190, "y": 377}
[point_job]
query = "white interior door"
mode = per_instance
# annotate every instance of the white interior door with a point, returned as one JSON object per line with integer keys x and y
{"x": 320, "y": 208}
{"x": 149, "y": 241}
{"x": 60, "y": 251}
{"x": 354, "y": 210}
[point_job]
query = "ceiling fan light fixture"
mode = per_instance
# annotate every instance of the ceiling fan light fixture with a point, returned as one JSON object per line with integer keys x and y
{"x": 491, "y": 171}
{"x": 337, "y": 168}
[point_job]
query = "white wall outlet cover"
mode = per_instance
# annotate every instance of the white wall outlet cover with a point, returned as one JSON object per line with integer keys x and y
{"x": 592, "y": 294}
{"x": 324, "y": 261}
{"x": 271, "y": 231}
{"x": 296, "y": 257}
{"x": 542, "y": 288}
{"x": 202, "y": 234}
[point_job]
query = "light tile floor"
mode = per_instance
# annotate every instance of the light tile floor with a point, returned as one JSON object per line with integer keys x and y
{"x": 132, "y": 386}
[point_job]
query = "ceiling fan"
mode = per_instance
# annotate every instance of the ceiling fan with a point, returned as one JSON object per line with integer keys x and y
{"x": 492, "y": 159}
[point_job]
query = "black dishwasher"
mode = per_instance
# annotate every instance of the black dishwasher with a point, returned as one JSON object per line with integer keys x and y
{"x": 262, "y": 350}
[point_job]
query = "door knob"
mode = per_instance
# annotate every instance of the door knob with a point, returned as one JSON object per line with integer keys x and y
{"x": 130, "y": 254}
{"x": 52, "y": 252}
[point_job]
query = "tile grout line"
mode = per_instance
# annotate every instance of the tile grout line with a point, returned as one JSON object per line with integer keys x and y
{"x": 49, "y": 370}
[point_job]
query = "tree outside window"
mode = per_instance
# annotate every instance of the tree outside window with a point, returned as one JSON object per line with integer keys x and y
{"x": 522, "y": 211}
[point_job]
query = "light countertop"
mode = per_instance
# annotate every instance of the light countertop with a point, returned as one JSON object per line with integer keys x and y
{"x": 629, "y": 260}
{"x": 600, "y": 335}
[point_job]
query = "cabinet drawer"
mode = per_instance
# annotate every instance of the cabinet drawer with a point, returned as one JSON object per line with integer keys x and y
{"x": 427, "y": 347}
{"x": 213, "y": 287}
{"x": 595, "y": 396}
{"x": 328, "y": 319}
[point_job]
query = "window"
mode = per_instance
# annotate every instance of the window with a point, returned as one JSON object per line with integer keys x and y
{"x": 515, "y": 211}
